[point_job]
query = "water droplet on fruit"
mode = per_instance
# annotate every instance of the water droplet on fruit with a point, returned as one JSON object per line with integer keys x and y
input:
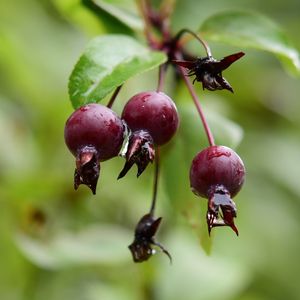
{"x": 84, "y": 108}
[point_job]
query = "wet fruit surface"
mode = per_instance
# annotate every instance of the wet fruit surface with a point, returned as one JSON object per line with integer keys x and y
{"x": 216, "y": 165}
{"x": 94, "y": 125}
{"x": 154, "y": 112}
{"x": 93, "y": 133}
{"x": 217, "y": 173}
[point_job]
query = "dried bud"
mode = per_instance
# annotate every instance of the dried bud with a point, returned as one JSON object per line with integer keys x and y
{"x": 209, "y": 71}
{"x": 141, "y": 248}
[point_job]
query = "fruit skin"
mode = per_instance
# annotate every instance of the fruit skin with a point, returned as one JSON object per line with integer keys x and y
{"x": 216, "y": 166}
{"x": 218, "y": 173}
{"x": 97, "y": 126}
{"x": 154, "y": 112}
{"x": 93, "y": 133}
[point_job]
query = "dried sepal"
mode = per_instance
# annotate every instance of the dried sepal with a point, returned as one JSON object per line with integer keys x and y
{"x": 87, "y": 168}
{"x": 140, "y": 151}
{"x": 221, "y": 209}
{"x": 141, "y": 248}
{"x": 208, "y": 70}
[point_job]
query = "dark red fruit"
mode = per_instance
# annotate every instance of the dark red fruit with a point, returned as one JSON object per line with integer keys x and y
{"x": 217, "y": 165}
{"x": 154, "y": 112}
{"x": 217, "y": 173}
{"x": 97, "y": 126}
{"x": 153, "y": 119}
{"x": 93, "y": 133}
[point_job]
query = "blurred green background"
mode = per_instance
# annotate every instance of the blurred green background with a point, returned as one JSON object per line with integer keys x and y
{"x": 56, "y": 243}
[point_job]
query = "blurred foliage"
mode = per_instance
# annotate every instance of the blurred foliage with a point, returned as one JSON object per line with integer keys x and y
{"x": 250, "y": 29}
{"x": 59, "y": 244}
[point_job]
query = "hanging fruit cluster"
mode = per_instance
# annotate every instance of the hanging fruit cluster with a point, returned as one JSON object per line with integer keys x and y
{"x": 95, "y": 133}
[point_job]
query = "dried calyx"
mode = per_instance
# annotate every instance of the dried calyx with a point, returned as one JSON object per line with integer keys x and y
{"x": 140, "y": 151}
{"x": 208, "y": 70}
{"x": 144, "y": 240}
{"x": 221, "y": 209}
{"x": 87, "y": 168}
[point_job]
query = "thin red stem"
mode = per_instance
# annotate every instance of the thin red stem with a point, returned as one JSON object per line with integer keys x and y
{"x": 155, "y": 183}
{"x": 204, "y": 44}
{"x": 161, "y": 77}
{"x": 114, "y": 96}
{"x": 145, "y": 7}
{"x": 192, "y": 91}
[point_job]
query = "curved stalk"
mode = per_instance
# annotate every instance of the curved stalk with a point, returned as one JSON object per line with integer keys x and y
{"x": 161, "y": 77}
{"x": 114, "y": 96}
{"x": 155, "y": 183}
{"x": 204, "y": 44}
{"x": 195, "y": 98}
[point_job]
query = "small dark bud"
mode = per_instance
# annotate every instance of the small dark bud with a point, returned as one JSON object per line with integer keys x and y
{"x": 87, "y": 168}
{"x": 208, "y": 70}
{"x": 220, "y": 203}
{"x": 140, "y": 151}
{"x": 141, "y": 248}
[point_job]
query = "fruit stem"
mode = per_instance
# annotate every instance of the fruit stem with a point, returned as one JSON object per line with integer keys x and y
{"x": 114, "y": 96}
{"x": 191, "y": 89}
{"x": 155, "y": 183}
{"x": 161, "y": 77}
{"x": 204, "y": 44}
{"x": 145, "y": 7}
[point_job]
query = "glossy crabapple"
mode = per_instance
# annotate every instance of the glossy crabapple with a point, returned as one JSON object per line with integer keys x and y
{"x": 218, "y": 173}
{"x": 153, "y": 120}
{"x": 93, "y": 133}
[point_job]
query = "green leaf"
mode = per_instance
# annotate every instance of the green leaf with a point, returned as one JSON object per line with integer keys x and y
{"x": 107, "y": 62}
{"x": 124, "y": 10}
{"x": 104, "y": 245}
{"x": 250, "y": 29}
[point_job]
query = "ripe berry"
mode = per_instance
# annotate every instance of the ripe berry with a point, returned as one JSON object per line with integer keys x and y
{"x": 217, "y": 173}
{"x": 153, "y": 120}
{"x": 154, "y": 112}
{"x": 93, "y": 133}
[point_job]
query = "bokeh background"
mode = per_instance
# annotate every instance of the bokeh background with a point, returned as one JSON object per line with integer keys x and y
{"x": 56, "y": 243}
